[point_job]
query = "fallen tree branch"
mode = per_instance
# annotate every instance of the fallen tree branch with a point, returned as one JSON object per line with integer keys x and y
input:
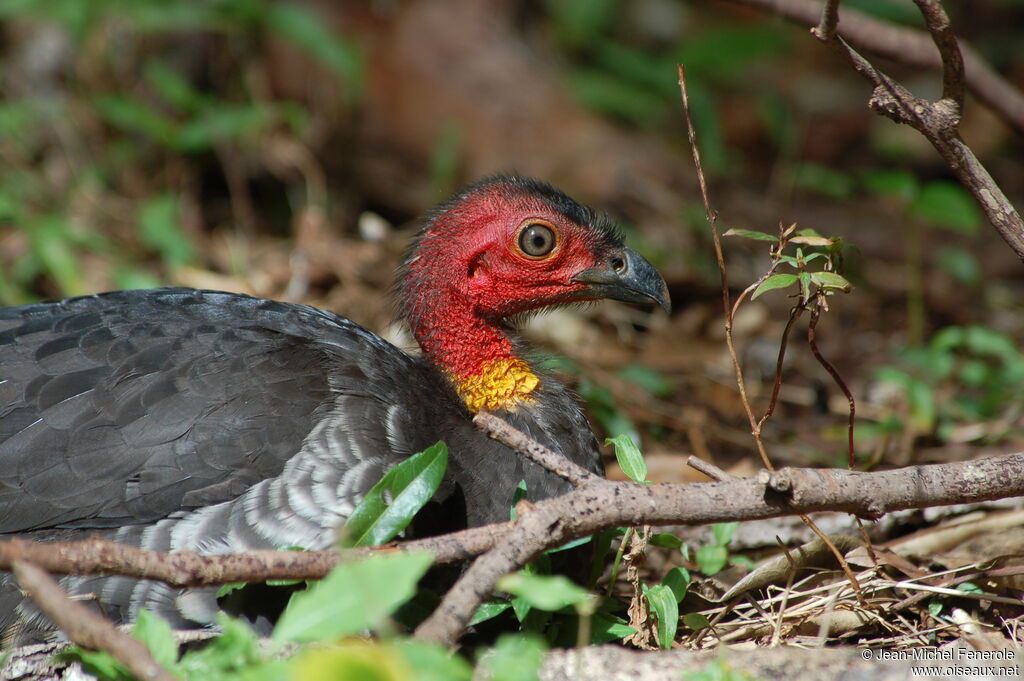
{"x": 189, "y": 569}
{"x": 907, "y": 46}
{"x": 603, "y": 504}
{"x": 85, "y": 627}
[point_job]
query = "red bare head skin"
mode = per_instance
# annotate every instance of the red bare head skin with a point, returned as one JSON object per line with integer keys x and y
{"x": 469, "y": 270}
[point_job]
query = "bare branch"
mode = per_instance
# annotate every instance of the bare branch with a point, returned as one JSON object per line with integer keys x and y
{"x": 908, "y": 46}
{"x": 939, "y": 122}
{"x": 85, "y": 627}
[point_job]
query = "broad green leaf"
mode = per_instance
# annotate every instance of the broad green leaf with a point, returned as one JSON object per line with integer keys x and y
{"x": 171, "y": 85}
{"x": 751, "y": 234}
{"x": 301, "y": 26}
{"x": 711, "y": 559}
{"x": 362, "y": 660}
{"x": 547, "y": 592}
{"x": 822, "y": 180}
{"x": 947, "y": 204}
{"x": 606, "y": 627}
{"x": 695, "y": 620}
{"x": 155, "y": 632}
{"x": 665, "y": 607}
{"x": 650, "y": 380}
{"x": 518, "y": 495}
{"x": 935, "y": 607}
{"x": 630, "y": 459}
{"x": 352, "y": 598}
{"x": 569, "y": 545}
{"x": 831, "y": 281}
{"x": 432, "y": 661}
{"x": 410, "y": 485}
{"x": 666, "y": 540}
{"x": 160, "y": 229}
{"x": 723, "y": 532}
{"x": 515, "y": 657}
{"x": 489, "y": 610}
{"x": 899, "y": 184}
{"x": 774, "y": 282}
{"x": 678, "y": 581}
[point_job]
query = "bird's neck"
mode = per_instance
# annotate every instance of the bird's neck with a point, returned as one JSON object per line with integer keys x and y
{"x": 478, "y": 357}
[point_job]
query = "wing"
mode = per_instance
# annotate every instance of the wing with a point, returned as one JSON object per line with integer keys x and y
{"x": 128, "y": 406}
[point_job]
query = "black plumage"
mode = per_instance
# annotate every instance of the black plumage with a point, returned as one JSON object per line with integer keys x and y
{"x": 181, "y": 419}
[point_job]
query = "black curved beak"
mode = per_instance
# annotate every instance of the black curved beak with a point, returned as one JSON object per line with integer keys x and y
{"x": 628, "y": 277}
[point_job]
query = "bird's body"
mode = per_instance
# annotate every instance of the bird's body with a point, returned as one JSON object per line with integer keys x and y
{"x": 180, "y": 419}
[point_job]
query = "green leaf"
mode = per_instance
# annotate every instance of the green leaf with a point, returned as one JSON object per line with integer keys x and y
{"x": 724, "y": 532}
{"x": 133, "y": 115}
{"x": 489, "y": 610}
{"x": 960, "y": 264}
{"x": 812, "y": 240}
{"x": 160, "y": 229}
{"x": 831, "y": 281}
{"x": 678, "y": 581}
{"x": 362, "y": 660}
{"x": 948, "y": 205}
{"x": 751, "y": 234}
{"x": 515, "y": 657}
{"x": 518, "y": 495}
{"x": 353, "y": 597}
{"x": 606, "y": 627}
{"x": 171, "y": 85}
{"x": 666, "y": 540}
{"x": 774, "y": 282}
{"x": 650, "y": 380}
{"x": 970, "y": 588}
{"x": 711, "y": 559}
{"x": 695, "y": 620}
{"x": 899, "y": 184}
{"x": 410, "y": 485}
{"x": 822, "y": 180}
{"x": 155, "y": 632}
{"x": 630, "y": 459}
{"x": 311, "y": 33}
{"x": 935, "y": 607}
{"x": 432, "y": 661}
{"x": 547, "y": 592}
{"x": 665, "y": 607}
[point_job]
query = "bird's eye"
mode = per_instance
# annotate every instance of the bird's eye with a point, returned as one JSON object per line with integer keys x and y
{"x": 537, "y": 240}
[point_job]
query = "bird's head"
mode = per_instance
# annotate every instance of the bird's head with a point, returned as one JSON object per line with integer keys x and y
{"x": 502, "y": 247}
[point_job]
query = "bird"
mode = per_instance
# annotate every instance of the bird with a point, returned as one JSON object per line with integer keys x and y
{"x": 175, "y": 418}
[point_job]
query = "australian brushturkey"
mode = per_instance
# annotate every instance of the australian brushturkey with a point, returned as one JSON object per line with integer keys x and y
{"x": 182, "y": 419}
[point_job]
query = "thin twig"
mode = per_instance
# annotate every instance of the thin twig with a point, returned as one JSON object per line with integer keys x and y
{"x": 815, "y": 315}
{"x": 533, "y": 450}
{"x": 709, "y": 469}
{"x": 712, "y": 219}
{"x": 85, "y": 627}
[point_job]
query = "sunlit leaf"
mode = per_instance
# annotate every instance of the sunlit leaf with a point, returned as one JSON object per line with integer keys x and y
{"x": 776, "y": 281}
{"x": 390, "y": 505}
{"x": 353, "y": 597}
{"x": 947, "y": 204}
{"x": 547, "y": 592}
{"x": 629, "y": 456}
{"x": 665, "y": 608}
{"x": 751, "y": 234}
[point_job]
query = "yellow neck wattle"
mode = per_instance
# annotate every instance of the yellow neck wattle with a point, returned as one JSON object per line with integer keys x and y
{"x": 500, "y": 384}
